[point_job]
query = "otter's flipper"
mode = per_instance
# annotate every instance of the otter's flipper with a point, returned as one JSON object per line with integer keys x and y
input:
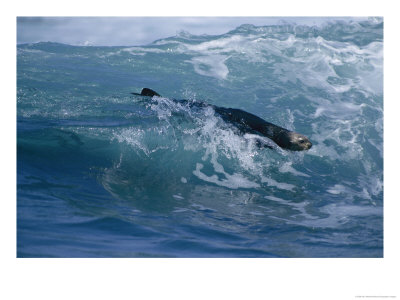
{"x": 147, "y": 92}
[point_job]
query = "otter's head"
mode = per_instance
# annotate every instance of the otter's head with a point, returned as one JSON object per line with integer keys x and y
{"x": 293, "y": 141}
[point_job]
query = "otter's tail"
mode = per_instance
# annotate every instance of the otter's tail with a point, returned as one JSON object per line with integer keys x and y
{"x": 147, "y": 92}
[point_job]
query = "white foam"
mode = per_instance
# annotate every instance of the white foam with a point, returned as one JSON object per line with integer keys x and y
{"x": 180, "y": 210}
{"x": 279, "y": 185}
{"x": 220, "y": 44}
{"x": 300, "y": 206}
{"x": 146, "y": 141}
{"x": 287, "y": 168}
{"x": 340, "y": 214}
{"x": 344, "y": 131}
{"x": 220, "y": 143}
{"x": 370, "y": 186}
{"x": 312, "y": 60}
{"x": 337, "y": 110}
{"x": 211, "y": 65}
{"x": 232, "y": 181}
{"x": 133, "y": 137}
{"x": 337, "y": 189}
{"x": 212, "y": 136}
{"x": 337, "y": 214}
{"x": 133, "y": 51}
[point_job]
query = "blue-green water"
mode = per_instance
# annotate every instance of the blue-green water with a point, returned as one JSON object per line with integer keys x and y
{"x": 102, "y": 173}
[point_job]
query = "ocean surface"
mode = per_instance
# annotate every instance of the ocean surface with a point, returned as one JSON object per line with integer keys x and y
{"x": 103, "y": 173}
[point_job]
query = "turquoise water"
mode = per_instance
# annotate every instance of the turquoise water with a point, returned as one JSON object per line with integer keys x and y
{"x": 103, "y": 173}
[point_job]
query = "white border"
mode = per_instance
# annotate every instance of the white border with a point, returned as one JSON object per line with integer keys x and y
{"x": 198, "y": 278}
